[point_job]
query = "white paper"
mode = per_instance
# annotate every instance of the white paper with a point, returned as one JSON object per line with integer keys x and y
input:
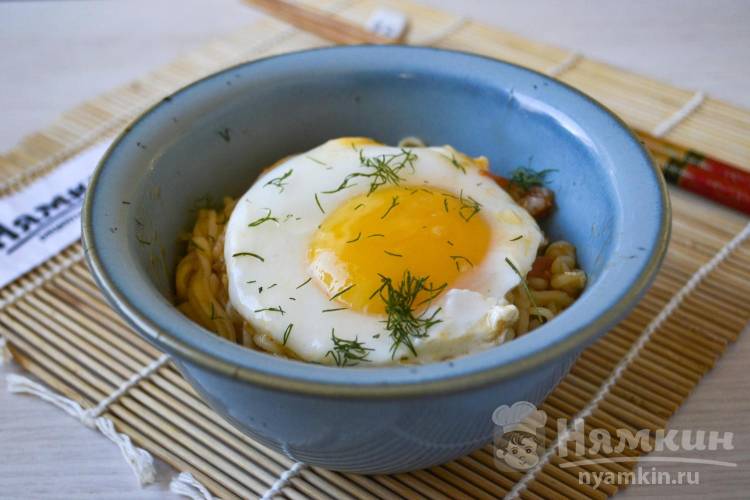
{"x": 42, "y": 219}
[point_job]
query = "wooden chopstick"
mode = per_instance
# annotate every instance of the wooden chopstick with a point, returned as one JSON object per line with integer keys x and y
{"x": 320, "y": 23}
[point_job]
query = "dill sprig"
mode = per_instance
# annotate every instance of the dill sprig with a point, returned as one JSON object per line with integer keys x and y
{"x": 356, "y": 239}
{"x": 263, "y": 219}
{"x": 469, "y": 207}
{"x": 517, "y": 238}
{"x": 249, "y": 254}
{"x": 385, "y": 169}
{"x": 403, "y": 324}
{"x": 304, "y": 283}
{"x": 342, "y": 292}
{"x": 319, "y": 162}
{"x": 287, "y": 332}
{"x": 394, "y": 204}
{"x": 225, "y": 134}
{"x": 334, "y": 309}
{"x": 317, "y": 202}
{"x": 527, "y": 178}
{"x": 347, "y": 352}
{"x": 460, "y": 258}
{"x": 454, "y": 161}
{"x": 523, "y": 281}
{"x": 277, "y": 309}
{"x": 279, "y": 182}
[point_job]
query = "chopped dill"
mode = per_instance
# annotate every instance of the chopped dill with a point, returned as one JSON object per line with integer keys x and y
{"x": 250, "y": 282}
{"x": 213, "y": 313}
{"x": 469, "y": 207}
{"x": 517, "y": 238}
{"x": 456, "y": 163}
{"x": 249, "y": 254}
{"x": 403, "y": 324}
{"x": 260, "y": 289}
{"x": 141, "y": 240}
{"x": 523, "y": 281}
{"x": 356, "y": 239}
{"x": 317, "y": 161}
{"x": 376, "y": 336}
{"x": 273, "y": 285}
{"x": 393, "y": 253}
{"x": 394, "y": 204}
{"x": 449, "y": 242}
{"x": 527, "y": 178}
{"x": 125, "y": 202}
{"x": 277, "y": 309}
{"x": 292, "y": 298}
{"x": 304, "y": 283}
{"x": 376, "y": 235}
{"x": 263, "y": 219}
{"x": 317, "y": 202}
{"x": 279, "y": 182}
{"x": 460, "y": 258}
{"x": 287, "y": 332}
{"x": 359, "y": 206}
{"x": 224, "y": 134}
{"x": 385, "y": 169}
{"x": 334, "y": 309}
{"x": 347, "y": 352}
{"x": 445, "y": 205}
{"x": 138, "y": 222}
{"x": 342, "y": 292}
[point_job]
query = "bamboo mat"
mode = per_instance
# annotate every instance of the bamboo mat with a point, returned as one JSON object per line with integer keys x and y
{"x": 62, "y": 330}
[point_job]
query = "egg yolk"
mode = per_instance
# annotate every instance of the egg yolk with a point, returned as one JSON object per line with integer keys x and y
{"x": 428, "y": 232}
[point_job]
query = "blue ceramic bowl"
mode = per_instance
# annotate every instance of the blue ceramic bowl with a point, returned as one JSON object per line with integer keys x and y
{"x": 213, "y": 137}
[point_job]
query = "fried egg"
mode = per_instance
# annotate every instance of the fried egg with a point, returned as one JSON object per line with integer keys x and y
{"x": 359, "y": 253}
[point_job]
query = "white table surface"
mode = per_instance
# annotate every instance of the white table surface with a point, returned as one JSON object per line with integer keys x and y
{"x": 56, "y": 54}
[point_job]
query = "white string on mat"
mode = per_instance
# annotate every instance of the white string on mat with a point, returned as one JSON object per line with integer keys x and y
{"x": 680, "y": 115}
{"x": 141, "y": 374}
{"x": 139, "y": 460}
{"x": 632, "y": 354}
{"x": 283, "y": 480}
{"x": 570, "y": 61}
{"x": 186, "y": 485}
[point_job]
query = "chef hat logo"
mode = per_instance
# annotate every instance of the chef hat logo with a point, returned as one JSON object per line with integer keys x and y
{"x": 522, "y": 416}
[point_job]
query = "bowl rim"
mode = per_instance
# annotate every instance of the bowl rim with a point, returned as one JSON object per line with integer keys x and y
{"x": 449, "y": 382}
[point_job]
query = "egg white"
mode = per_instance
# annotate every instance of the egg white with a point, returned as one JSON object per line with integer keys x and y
{"x": 472, "y": 318}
